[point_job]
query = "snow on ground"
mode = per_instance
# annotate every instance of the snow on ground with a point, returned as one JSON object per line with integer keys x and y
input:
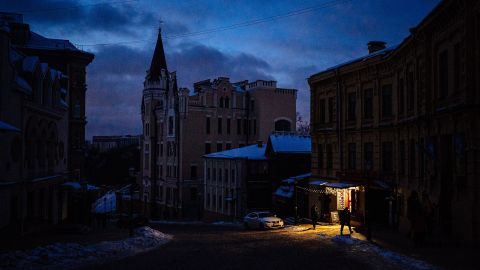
{"x": 66, "y": 255}
{"x": 361, "y": 246}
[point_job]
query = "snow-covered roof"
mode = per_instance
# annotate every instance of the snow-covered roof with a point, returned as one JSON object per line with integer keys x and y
{"x": 22, "y": 83}
{"x": 77, "y": 185}
{"x": 360, "y": 59}
{"x": 105, "y": 204}
{"x": 316, "y": 182}
{"x": 29, "y": 63}
{"x": 41, "y": 42}
{"x": 253, "y": 152}
{"x": 291, "y": 143}
{"x": 284, "y": 191}
{"x": 7, "y": 127}
{"x": 339, "y": 185}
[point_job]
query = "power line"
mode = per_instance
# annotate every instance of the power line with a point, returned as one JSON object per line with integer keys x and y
{"x": 76, "y": 6}
{"x": 237, "y": 25}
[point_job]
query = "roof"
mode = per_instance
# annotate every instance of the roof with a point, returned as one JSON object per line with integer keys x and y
{"x": 37, "y": 41}
{"x": 384, "y": 52}
{"x": 290, "y": 143}
{"x": 253, "y": 152}
{"x": 158, "y": 60}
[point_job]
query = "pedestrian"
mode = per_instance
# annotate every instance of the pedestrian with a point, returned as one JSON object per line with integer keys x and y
{"x": 345, "y": 220}
{"x": 314, "y": 215}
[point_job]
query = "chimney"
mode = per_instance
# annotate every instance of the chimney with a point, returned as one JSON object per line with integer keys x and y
{"x": 374, "y": 46}
{"x": 259, "y": 144}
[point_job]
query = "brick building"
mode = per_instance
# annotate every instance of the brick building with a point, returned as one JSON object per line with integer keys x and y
{"x": 42, "y": 97}
{"x": 180, "y": 126}
{"x": 407, "y": 115}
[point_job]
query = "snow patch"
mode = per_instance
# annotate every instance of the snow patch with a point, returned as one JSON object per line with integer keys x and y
{"x": 64, "y": 255}
{"x": 364, "y": 246}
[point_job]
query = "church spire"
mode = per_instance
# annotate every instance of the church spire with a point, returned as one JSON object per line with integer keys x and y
{"x": 158, "y": 60}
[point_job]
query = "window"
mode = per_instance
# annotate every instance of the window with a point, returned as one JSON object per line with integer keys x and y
{"x": 368, "y": 156}
{"x": 214, "y": 176}
{"x": 329, "y": 156}
{"x": 443, "y": 74}
{"x": 252, "y": 105}
{"x": 456, "y": 67}
{"x": 219, "y": 126}
{"x": 233, "y": 175}
{"x": 147, "y": 129}
{"x": 228, "y": 146}
{"x": 227, "y": 102}
{"x": 219, "y": 147}
{"x": 331, "y": 102}
{"x": 320, "y": 156}
{"x": 193, "y": 172}
{"x": 170, "y": 125}
{"x": 387, "y": 100}
{"x": 411, "y": 163}
{"x": 146, "y": 161}
{"x": 226, "y": 175}
{"x": 160, "y": 171}
{"x": 282, "y": 125}
{"x": 387, "y": 156}
{"x": 245, "y": 126}
{"x": 208, "y": 150}
{"x": 352, "y": 156}
{"x": 208, "y": 173}
{"x": 401, "y": 157}
{"x": 321, "y": 111}
{"x": 161, "y": 149}
{"x": 208, "y": 125}
{"x": 411, "y": 92}
{"x": 254, "y": 126}
{"x": 368, "y": 104}
{"x": 228, "y": 126}
{"x": 221, "y": 103}
{"x": 352, "y": 106}
{"x": 239, "y": 126}
{"x": 220, "y": 175}
{"x": 401, "y": 97}
{"x": 193, "y": 194}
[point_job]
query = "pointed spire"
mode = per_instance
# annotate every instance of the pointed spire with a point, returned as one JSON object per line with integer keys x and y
{"x": 158, "y": 61}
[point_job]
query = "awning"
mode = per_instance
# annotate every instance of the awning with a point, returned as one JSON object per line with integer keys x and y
{"x": 340, "y": 185}
{"x": 317, "y": 182}
{"x": 7, "y": 127}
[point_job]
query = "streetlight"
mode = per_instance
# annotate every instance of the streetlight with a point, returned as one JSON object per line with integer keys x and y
{"x": 296, "y": 202}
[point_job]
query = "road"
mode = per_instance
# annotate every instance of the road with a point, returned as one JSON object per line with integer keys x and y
{"x": 223, "y": 247}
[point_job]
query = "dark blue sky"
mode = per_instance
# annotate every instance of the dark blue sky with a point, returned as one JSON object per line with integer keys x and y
{"x": 287, "y": 49}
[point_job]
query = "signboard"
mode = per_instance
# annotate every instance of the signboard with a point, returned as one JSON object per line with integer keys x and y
{"x": 334, "y": 217}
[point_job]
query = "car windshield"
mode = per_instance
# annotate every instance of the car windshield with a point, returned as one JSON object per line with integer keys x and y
{"x": 263, "y": 215}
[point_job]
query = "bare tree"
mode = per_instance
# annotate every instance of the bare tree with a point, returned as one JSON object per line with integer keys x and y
{"x": 303, "y": 126}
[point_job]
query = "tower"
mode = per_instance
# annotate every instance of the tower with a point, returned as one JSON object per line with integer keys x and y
{"x": 160, "y": 122}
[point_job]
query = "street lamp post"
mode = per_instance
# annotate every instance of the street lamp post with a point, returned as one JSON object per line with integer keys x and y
{"x": 296, "y": 202}
{"x": 130, "y": 213}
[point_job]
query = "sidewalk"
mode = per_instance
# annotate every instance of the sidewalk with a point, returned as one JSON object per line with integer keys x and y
{"x": 446, "y": 256}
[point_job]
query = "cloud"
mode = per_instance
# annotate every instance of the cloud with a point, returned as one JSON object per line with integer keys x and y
{"x": 115, "y": 88}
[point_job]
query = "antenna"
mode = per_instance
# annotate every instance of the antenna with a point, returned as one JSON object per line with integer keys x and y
{"x": 160, "y": 23}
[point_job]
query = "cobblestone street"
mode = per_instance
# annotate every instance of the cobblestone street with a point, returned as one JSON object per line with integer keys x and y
{"x": 230, "y": 247}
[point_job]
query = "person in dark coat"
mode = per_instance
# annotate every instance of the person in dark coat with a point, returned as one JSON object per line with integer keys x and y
{"x": 314, "y": 215}
{"x": 345, "y": 220}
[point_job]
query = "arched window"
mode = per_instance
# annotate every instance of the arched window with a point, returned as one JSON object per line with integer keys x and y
{"x": 221, "y": 102}
{"x": 282, "y": 125}
{"x": 227, "y": 102}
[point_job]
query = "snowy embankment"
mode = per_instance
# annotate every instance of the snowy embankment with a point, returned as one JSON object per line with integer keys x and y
{"x": 361, "y": 246}
{"x": 200, "y": 223}
{"x": 66, "y": 255}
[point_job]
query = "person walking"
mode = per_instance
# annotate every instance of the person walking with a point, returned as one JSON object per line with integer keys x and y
{"x": 314, "y": 215}
{"x": 345, "y": 220}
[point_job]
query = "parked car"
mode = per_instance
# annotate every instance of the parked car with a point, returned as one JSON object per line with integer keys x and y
{"x": 262, "y": 220}
{"x": 137, "y": 220}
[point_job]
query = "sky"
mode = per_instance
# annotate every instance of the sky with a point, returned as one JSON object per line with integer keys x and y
{"x": 294, "y": 40}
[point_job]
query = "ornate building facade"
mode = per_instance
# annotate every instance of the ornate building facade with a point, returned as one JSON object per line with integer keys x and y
{"x": 179, "y": 127}
{"x": 408, "y": 116}
{"x": 42, "y": 82}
